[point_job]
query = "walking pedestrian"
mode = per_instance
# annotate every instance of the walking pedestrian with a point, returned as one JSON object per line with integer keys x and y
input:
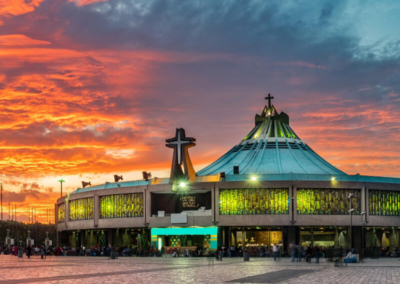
{"x": 317, "y": 253}
{"x": 309, "y": 253}
{"x": 43, "y": 252}
{"x": 275, "y": 251}
{"x": 293, "y": 251}
{"x": 300, "y": 252}
{"x": 29, "y": 251}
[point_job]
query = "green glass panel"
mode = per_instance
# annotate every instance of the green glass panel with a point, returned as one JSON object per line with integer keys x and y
{"x": 253, "y": 201}
{"x": 61, "y": 212}
{"x": 326, "y": 201}
{"x": 384, "y": 202}
{"x": 81, "y": 209}
{"x": 121, "y": 206}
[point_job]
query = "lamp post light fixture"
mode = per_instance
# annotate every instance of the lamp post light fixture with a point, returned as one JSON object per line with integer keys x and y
{"x": 351, "y": 195}
{"x": 362, "y": 234}
{"x": 61, "y": 182}
{"x": 351, "y": 228}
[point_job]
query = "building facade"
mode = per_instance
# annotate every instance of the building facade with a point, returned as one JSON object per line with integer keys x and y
{"x": 269, "y": 188}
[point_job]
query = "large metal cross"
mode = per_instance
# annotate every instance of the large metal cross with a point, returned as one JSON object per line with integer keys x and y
{"x": 180, "y": 143}
{"x": 269, "y": 98}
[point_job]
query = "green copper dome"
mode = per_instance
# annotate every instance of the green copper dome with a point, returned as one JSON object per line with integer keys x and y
{"x": 271, "y": 147}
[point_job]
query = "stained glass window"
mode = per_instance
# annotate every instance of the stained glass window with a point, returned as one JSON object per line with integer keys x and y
{"x": 61, "y": 212}
{"x": 121, "y": 205}
{"x": 327, "y": 201}
{"x": 81, "y": 209}
{"x": 384, "y": 202}
{"x": 253, "y": 201}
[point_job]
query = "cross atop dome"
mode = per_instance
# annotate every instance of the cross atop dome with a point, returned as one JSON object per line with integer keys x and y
{"x": 269, "y": 98}
{"x": 182, "y": 168}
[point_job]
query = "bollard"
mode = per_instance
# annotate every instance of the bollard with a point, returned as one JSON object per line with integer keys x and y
{"x": 246, "y": 256}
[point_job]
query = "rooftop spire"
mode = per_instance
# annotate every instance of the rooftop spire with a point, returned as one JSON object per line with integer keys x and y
{"x": 269, "y": 98}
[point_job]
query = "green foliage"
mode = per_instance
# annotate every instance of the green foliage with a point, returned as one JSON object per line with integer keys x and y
{"x": 102, "y": 239}
{"x": 18, "y": 231}
{"x": 145, "y": 239}
{"x": 183, "y": 240}
{"x": 86, "y": 239}
{"x": 93, "y": 239}
{"x": 126, "y": 239}
{"x": 72, "y": 240}
{"x": 118, "y": 241}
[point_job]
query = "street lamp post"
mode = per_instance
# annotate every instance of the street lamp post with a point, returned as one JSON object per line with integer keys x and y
{"x": 351, "y": 210}
{"x": 61, "y": 182}
{"x": 362, "y": 235}
{"x": 351, "y": 228}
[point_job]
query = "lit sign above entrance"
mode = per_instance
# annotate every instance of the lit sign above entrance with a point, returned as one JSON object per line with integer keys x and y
{"x": 189, "y": 202}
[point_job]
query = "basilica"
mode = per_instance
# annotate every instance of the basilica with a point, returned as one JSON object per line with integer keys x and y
{"x": 270, "y": 188}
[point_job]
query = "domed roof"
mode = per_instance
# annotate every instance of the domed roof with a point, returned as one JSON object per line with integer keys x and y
{"x": 271, "y": 147}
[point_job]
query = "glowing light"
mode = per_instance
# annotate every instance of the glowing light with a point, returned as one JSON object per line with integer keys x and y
{"x": 182, "y": 184}
{"x": 253, "y": 178}
{"x": 333, "y": 178}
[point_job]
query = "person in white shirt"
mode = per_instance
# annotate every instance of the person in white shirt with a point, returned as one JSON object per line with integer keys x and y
{"x": 275, "y": 251}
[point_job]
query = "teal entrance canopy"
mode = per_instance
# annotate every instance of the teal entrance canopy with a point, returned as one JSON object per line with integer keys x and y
{"x": 210, "y": 233}
{"x": 184, "y": 231}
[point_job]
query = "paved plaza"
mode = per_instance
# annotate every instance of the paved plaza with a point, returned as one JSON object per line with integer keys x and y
{"x": 191, "y": 270}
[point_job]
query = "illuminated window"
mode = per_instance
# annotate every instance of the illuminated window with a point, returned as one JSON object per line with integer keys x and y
{"x": 327, "y": 201}
{"x": 121, "y": 206}
{"x": 253, "y": 201}
{"x": 81, "y": 209}
{"x": 384, "y": 202}
{"x": 61, "y": 212}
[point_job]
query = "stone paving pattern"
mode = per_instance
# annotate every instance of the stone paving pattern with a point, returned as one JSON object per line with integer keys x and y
{"x": 190, "y": 270}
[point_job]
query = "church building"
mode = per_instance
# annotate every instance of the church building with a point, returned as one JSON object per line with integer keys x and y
{"x": 270, "y": 188}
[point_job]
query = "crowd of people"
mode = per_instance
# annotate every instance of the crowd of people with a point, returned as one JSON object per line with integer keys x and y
{"x": 43, "y": 251}
{"x": 296, "y": 252}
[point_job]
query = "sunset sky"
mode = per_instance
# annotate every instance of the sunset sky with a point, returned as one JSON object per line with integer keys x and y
{"x": 92, "y": 88}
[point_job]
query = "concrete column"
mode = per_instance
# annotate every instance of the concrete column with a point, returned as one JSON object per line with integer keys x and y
{"x": 213, "y": 203}
{"x": 216, "y": 203}
{"x": 312, "y": 236}
{"x": 243, "y": 239}
{"x": 66, "y": 202}
{"x": 110, "y": 240}
{"x": 147, "y": 202}
{"x": 96, "y": 210}
{"x": 363, "y": 199}
{"x": 291, "y": 231}
{"x": 336, "y": 238}
{"x": 294, "y": 204}
{"x": 269, "y": 238}
{"x": 55, "y": 215}
{"x": 367, "y": 204}
{"x": 290, "y": 203}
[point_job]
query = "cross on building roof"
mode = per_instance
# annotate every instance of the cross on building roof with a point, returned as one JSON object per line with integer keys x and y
{"x": 269, "y": 98}
{"x": 179, "y": 142}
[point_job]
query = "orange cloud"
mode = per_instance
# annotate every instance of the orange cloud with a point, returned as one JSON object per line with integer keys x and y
{"x": 10, "y": 8}
{"x": 86, "y": 2}
{"x": 20, "y": 40}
